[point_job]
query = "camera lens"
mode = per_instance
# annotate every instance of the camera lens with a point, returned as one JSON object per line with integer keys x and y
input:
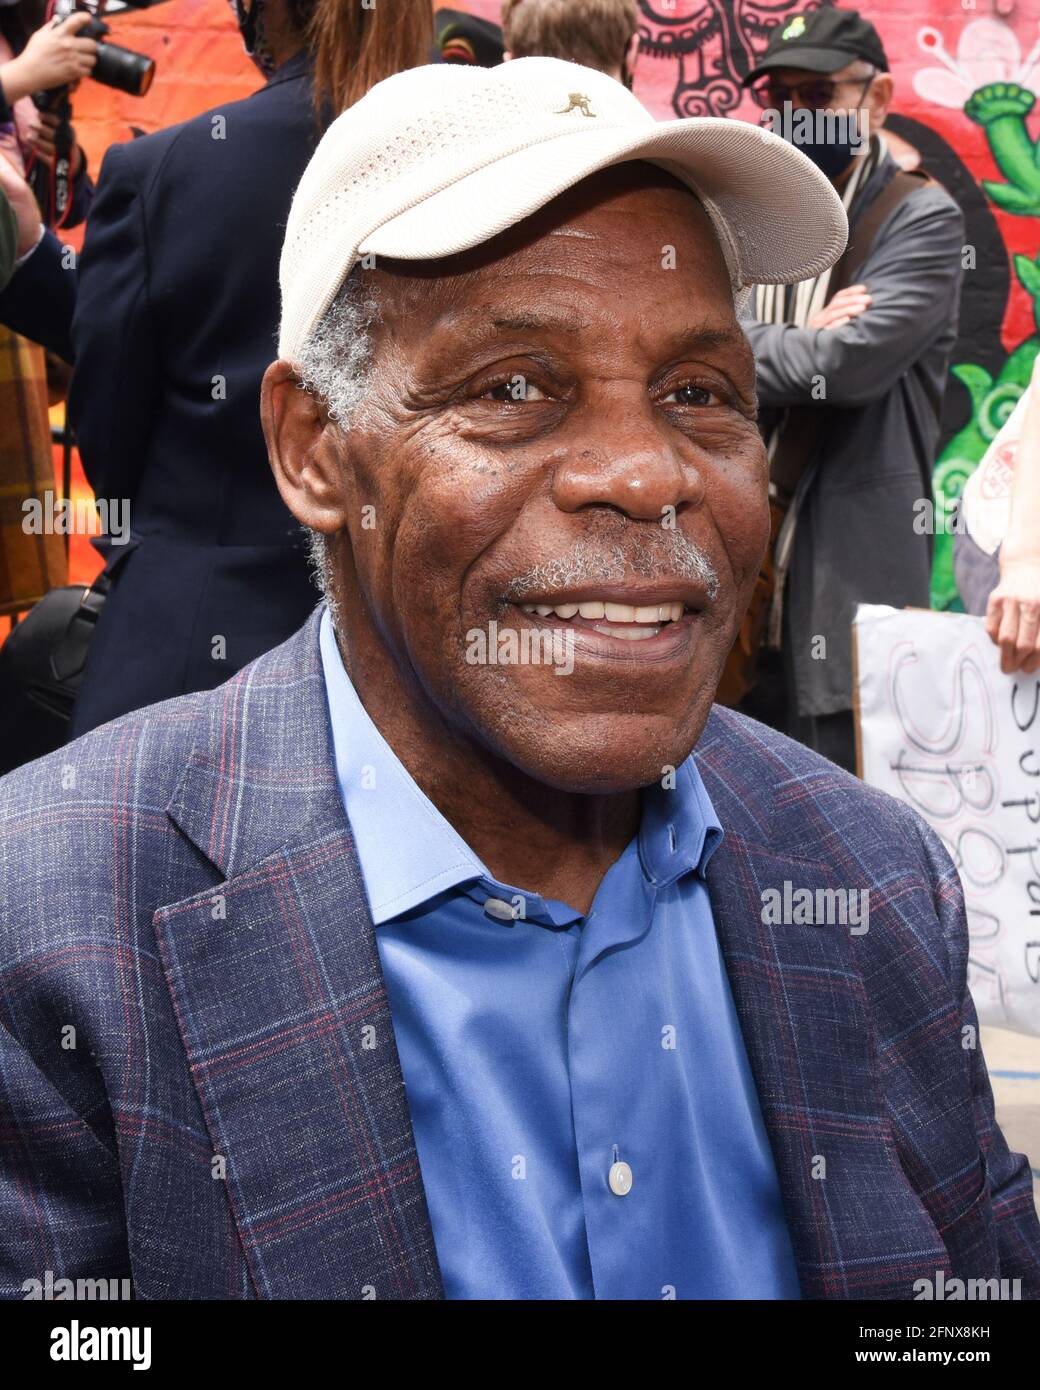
{"x": 123, "y": 69}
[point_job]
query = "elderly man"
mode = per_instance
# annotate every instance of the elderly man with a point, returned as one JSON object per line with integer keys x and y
{"x": 457, "y": 947}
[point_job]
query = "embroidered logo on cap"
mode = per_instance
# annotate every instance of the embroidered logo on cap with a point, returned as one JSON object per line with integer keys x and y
{"x": 796, "y": 27}
{"x": 576, "y": 101}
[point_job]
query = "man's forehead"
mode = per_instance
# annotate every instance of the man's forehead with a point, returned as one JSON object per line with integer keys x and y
{"x": 532, "y": 305}
{"x": 584, "y": 326}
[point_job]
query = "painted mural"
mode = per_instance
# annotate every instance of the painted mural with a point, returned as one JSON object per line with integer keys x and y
{"x": 966, "y": 75}
{"x": 987, "y": 80}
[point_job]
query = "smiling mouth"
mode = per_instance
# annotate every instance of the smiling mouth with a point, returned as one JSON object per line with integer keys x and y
{"x": 654, "y": 621}
{"x": 632, "y": 622}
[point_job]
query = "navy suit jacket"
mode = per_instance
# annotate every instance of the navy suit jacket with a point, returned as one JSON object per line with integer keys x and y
{"x": 176, "y": 320}
{"x": 182, "y": 889}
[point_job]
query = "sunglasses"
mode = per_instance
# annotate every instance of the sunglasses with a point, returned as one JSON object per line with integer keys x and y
{"x": 817, "y": 92}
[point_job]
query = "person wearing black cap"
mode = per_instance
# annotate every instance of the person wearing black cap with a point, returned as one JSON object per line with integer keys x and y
{"x": 851, "y": 373}
{"x": 466, "y": 38}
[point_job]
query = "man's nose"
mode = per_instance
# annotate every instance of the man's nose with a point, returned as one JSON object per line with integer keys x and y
{"x": 633, "y": 468}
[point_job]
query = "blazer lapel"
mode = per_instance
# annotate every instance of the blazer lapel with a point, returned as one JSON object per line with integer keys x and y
{"x": 858, "y": 1228}
{"x": 282, "y": 1008}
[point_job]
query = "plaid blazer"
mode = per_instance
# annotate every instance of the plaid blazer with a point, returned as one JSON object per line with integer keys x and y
{"x": 200, "y": 1087}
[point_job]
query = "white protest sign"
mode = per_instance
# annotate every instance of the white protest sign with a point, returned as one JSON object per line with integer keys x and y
{"x": 943, "y": 729}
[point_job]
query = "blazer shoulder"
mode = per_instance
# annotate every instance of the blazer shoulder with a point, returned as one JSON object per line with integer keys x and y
{"x": 770, "y": 777}
{"x": 786, "y": 802}
{"x": 93, "y": 814}
{"x": 266, "y": 113}
{"x": 70, "y": 817}
{"x": 773, "y": 756}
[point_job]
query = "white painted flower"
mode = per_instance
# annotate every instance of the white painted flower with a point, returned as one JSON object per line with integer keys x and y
{"x": 987, "y": 51}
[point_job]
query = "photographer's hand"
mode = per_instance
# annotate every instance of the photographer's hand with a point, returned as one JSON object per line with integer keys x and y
{"x": 43, "y": 142}
{"x": 53, "y": 56}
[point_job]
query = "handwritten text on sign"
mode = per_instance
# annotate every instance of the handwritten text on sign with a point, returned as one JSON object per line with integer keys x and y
{"x": 945, "y": 731}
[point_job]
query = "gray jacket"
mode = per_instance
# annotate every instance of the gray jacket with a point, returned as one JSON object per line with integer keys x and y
{"x": 884, "y": 374}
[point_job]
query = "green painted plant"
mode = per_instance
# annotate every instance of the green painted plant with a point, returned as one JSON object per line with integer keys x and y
{"x": 1001, "y": 109}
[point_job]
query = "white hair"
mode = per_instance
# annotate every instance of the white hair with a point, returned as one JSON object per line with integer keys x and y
{"x": 335, "y": 363}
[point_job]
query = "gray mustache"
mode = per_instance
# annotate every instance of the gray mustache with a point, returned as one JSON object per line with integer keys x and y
{"x": 671, "y": 554}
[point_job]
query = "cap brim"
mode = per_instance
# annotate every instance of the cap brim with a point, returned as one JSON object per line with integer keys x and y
{"x": 812, "y": 59}
{"x": 777, "y": 217}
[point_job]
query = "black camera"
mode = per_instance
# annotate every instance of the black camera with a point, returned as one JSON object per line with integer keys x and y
{"x": 116, "y": 67}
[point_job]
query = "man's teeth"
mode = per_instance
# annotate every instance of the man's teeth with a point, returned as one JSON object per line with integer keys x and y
{"x": 612, "y": 612}
{"x": 631, "y": 633}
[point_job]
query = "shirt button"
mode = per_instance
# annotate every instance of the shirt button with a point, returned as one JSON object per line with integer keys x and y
{"x": 502, "y": 911}
{"x": 620, "y": 1179}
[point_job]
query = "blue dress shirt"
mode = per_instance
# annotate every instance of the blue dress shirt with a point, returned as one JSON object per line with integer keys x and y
{"x": 541, "y": 1049}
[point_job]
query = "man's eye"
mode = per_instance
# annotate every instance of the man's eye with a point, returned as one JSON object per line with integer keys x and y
{"x": 692, "y": 395}
{"x": 516, "y": 388}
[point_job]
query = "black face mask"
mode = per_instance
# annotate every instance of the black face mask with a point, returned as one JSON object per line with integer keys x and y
{"x": 831, "y": 157}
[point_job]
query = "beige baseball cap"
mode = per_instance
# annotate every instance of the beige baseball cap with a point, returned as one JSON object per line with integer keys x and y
{"x": 438, "y": 159}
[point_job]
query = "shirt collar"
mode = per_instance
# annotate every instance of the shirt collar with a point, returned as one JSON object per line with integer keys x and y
{"x": 678, "y": 833}
{"x": 385, "y": 806}
{"x": 679, "y": 830}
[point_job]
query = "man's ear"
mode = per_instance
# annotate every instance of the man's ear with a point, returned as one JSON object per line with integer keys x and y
{"x": 879, "y": 98}
{"x": 632, "y": 55}
{"x": 306, "y": 467}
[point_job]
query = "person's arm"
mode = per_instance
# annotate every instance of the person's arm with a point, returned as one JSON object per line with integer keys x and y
{"x": 117, "y": 379}
{"x": 1013, "y": 612}
{"x": 39, "y": 300}
{"x": 40, "y": 296}
{"x": 913, "y": 278}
